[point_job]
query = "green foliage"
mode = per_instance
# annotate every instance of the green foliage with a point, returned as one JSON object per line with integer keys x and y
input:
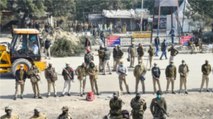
{"x": 3, "y": 4}
{"x": 63, "y": 47}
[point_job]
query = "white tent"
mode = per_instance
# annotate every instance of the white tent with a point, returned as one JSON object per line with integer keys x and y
{"x": 183, "y": 21}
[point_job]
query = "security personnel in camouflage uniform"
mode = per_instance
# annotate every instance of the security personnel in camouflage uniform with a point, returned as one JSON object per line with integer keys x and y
{"x": 81, "y": 73}
{"x": 101, "y": 58}
{"x": 171, "y": 76}
{"x": 115, "y": 105}
{"x": 132, "y": 52}
{"x": 140, "y": 52}
{"x": 206, "y": 70}
{"x": 138, "y": 107}
{"x": 158, "y": 107}
{"x": 118, "y": 57}
{"x": 38, "y": 115}
{"x": 9, "y": 115}
{"x": 20, "y": 77}
{"x": 183, "y": 70}
{"x": 34, "y": 78}
{"x": 139, "y": 73}
{"x": 65, "y": 113}
{"x": 151, "y": 54}
{"x": 93, "y": 75}
{"x": 173, "y": 53}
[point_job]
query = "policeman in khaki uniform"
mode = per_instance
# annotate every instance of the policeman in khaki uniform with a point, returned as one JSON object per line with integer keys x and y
{"x": 81, "y": 73}
{"x": 151, "y": 54}
{"x": 170, "y": 76}
{"x": 158, "y": 107}
{"x": 38, "y": 115}
{"x": 93, "y": 75}
{"x": 139, "y": 73}
{"x": 206, "y": 70}
{"x": 183, "y": 70}
{"x": 132, "y": 52}
{"x": 115, "y": 105}
{"x": 20, "y": 77}
{"x": 138, "y": 107}
{"x": 140, "y": 52}
{"x": 65, "y": 113}
{"x": 9, "y": 115}
{"x": 34, "y": 78}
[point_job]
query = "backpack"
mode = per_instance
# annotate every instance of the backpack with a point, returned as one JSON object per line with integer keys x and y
{"x": 47, "y": 44}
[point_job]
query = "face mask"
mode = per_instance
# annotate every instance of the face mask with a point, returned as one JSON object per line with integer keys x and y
{"x": 158, "y": 97}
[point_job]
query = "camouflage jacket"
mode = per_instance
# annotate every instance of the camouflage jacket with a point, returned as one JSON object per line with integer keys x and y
{"x": 138, "y": 106}
{"x": 156, "y": 107}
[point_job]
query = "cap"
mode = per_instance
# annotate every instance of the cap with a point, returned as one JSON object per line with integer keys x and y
{"x": 8, "y": 108}
{"x": 65, "y": 108}
{"x": 159, "y": 92}
{"x": 183, "y": 61}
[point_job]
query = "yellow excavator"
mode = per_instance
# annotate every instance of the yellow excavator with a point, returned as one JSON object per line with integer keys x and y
{"x": 23, "y": 49}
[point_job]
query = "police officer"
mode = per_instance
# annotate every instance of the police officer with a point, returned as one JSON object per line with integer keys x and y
{"x": 206, "y": 70}
{"x": 107, "y": 55}
{"x": 139, "y": 73}
{"x": 138, "y": 107}
{"x": 68, "y": 74}
{"x": 38, "y": 115}
{"x": 122, "y": 72}
{"x": 93, "y": 75}
{"x": 158, "y": 106}
{"x": 9, "y": 114}
{"x": 156, "y": 77}
{"x": 151, "y": 54}
{"x": 34, "y": 78}
{"x": 118, "y": 57}
{"x": 183, "y": 70}
{"x": 140, "y": 52}
{"x": 51, "y": 77}
{"x": 173, "y": 53}
{"x": 101, "y": 58}
{"x": 115, "y": 51}
{"x": 132, "y": 52}
{"x": 88, "y": 57}
{"x": 20, "y": 77}
{"x": 81, "y": 73}
{"x": 65, "y": 113}
{"x": 115, "y": 105}
{"x": 171, "y": 76}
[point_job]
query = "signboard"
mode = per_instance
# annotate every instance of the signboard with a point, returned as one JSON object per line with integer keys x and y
{"x": 141, "y": 34}
{"x": 125, "y": 41}
{"x": 144, "y": 41}
{"x": 113, "y": 41}
{"x": 185, "y": 39}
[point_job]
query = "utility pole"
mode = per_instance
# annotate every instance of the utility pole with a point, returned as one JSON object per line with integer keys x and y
{"x": 141, "y": 15}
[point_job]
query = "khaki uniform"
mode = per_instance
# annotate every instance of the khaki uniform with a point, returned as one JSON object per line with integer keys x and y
{"x": 173, "y": 53}
{"x": 139, "y": 71}
{"x": 50, "y": 80}
{"x": 171, "y": 76}
{"x": 41, "y": 116}
{"x": 81, "y": 73}
{"x": 132, "y": 56}
{"x": 151, "y": 54}
{"x": 138, "y": 108}
{"x": 122, "y": 73}
{"x": 183, "y": 70}
{"x": 20, "y": 77}
{"x": 34, "y": 78}
{"x": 156, "y": 106}
{"x": 115, "y": 108}
{"x": 101, "y": 59}
{"x": 62, "y": 116}
{"x": 93, "y": 75}
{"x": 12, "y": 117}
{"x": 140, "y": 54}
{"x": 206, "y": 69}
